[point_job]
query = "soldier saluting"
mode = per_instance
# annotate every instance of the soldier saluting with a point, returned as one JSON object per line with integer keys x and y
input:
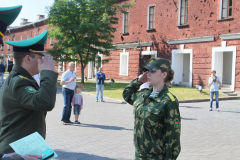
{"x": 156, "y": 112}
{"x": 23, "y": 105}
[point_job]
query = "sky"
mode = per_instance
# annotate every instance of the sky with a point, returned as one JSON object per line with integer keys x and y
{"x": 30, "y": 9}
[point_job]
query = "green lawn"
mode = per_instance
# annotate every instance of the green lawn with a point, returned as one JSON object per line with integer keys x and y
{"x": 114, "y": 90}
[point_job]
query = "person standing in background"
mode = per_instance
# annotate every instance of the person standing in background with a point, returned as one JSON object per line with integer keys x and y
{"x": 214, "y": 83}
{"x": 68, "y": 81}
{"x": 100, "y": 77}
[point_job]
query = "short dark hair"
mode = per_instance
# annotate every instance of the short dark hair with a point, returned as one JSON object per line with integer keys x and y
{"x": 18, "y": 56}
{"x": 77, "y": 87}
{"x": 170, "y": 74}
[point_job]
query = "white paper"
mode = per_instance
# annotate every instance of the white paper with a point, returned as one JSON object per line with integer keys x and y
{"x": 33, "y": 144}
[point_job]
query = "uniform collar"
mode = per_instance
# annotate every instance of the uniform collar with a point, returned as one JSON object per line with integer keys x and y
{"x": 22, "y": 71}
{"x": 164, "y": 90}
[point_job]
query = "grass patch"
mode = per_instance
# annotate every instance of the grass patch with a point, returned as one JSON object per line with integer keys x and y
{"x": 114, "y": 90}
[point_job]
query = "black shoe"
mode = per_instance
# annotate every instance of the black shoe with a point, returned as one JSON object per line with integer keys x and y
{"x": 77, "y": 122}
{"x": 69, "y": 122}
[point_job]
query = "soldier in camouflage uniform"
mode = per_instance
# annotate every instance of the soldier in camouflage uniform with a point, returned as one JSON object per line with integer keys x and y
{"x": 156, "y": 111}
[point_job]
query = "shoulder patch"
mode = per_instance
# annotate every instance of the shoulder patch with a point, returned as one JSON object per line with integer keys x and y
{"x": 31, "y": 89}
{"x": 176, "y": 123}
{"x": 171, "y": 96}
{"x": 22, "y": 77}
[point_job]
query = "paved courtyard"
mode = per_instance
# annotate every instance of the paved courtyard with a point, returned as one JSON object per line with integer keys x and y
{"x": 106, "y": 131}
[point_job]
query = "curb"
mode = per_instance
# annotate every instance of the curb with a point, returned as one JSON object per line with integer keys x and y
{"x": 112, "y": 99}
{"x": 180, "y": 101}
{"x": 208, "y": 99}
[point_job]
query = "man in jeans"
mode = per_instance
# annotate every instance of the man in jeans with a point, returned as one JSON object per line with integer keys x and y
{"x": 68, "y": 81}
{"x": 2, "y": 70}
{"x": 100, "y": 77}
{"x": 214, "y": 82}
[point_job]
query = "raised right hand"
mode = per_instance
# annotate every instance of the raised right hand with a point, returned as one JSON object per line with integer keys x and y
{"x": 47, "y": 63}
{"x": 143, "y": 77}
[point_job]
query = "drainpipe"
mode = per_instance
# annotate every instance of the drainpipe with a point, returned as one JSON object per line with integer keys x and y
{"x": 140, "y": 58}
{"x": 36, "y": 28}
{"x": 10, "y": 34}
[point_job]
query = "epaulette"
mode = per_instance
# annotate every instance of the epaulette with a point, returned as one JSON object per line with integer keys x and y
{"x": 22, "y": 77}
{"x": 171, "y": 96}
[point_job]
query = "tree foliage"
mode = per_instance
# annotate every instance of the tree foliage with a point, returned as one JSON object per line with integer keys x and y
{"x": 82, "y": 29}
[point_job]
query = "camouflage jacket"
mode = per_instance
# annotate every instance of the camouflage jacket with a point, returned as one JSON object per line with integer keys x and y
{"x": 157, "y": 123}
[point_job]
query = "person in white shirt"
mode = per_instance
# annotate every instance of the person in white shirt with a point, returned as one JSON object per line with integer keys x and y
{"x": 214, "y": 82}
{"x": 68, "y": 82}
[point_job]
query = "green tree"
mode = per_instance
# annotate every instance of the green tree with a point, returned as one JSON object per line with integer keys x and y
{"x": 82, "y": 29}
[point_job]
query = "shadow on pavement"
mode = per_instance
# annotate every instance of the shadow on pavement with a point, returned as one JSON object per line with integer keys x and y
{"x": 190, "y": 107}
{"x": 114, "y": 102}
{"x": 188, "y": 118}
{"x": 62, "y": 155}
{"x": 103, "y": 127}
{"x": 229, "y": 111}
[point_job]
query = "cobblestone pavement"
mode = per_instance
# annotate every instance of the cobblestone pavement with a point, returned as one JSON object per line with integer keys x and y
{"x": 106, "y": 131}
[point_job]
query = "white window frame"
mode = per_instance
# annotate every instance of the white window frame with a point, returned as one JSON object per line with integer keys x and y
{"x": 179, "y": 12}
{"x": 75, "y": 63}
{"x": 100, "y": 55}
{"x": 15, "y": 39}
{"x": 28, "y": 37}
{"x": 22, "y": 38}
{"x": 220, "y": 9}
{"x": 51, "y": 40}
{"x": 148, "y": 17}
{"x": 63, "y": 67}
{"x": 123, "y": 30}
{"x": 124, "y": 53}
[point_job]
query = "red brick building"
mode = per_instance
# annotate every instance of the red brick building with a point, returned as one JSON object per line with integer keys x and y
{"x": 197, "y": 36}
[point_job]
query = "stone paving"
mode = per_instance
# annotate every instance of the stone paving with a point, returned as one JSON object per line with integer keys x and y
{"x": 106, "y": 131}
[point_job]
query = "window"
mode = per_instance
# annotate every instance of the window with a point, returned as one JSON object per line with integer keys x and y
{"x": 60, "y": 66}
{"x": 226, "y": 9}
{"x": 15, "y": 39}
{"x": 183, "y": 19}
{"x": 124, "y": 58}
{"x": 125, "y": 22}
{"x": 35, "y": 34}
{"x": 1, "y": 47}
{"x": 98, "y": 60}
{"x": 28, "y": 37}
{"x": 151, "y": 17}
{"x": 51, "y": 41}
{"x": 8, "y": 46}
{"x": 22, "y": 38}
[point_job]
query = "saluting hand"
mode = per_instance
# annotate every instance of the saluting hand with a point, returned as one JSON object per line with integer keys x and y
{"x": 143, "y": 77}
{"x": 47, "y": 63}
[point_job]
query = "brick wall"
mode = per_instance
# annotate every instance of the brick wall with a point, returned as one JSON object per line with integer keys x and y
{"x": 203, "y": 18}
